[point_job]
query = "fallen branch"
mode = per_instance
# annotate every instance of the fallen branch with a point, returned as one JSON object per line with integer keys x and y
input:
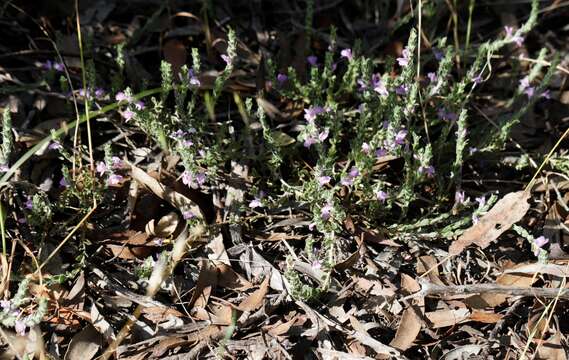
{"x": 430, "y": 289}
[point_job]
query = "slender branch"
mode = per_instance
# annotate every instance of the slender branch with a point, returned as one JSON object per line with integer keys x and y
{"x": 430, "y": 289}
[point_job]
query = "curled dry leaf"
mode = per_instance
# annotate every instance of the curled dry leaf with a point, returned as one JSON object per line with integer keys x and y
{"x": 506, "y": 212}
{"x": 255, "y": 300}
{"x": 165, "y": 226}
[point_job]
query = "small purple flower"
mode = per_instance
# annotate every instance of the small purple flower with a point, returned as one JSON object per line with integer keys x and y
{"x": 438, "y": 54}
{"x": 362, "y": 85}
{"x": 312, "y": 60}
{"x": 99, "y": 93}
{"x": 366, "y": 148}
{"x": 6, "y": 305}
{"x": 459, "y": 197}
{"x": 178, "y": 134}
{"x": 333, "y": 67}
{"x": 477, "y": 79}
{"x": 432, "y": 77}
{"x": 311, "y": 226}
{"x": 446, "y": 115}
{"x": 54, "y": 145}
{"x": 114, "y": 179}
{"x": 539, "y": 242}
{"x": 380, "y": 152}
{"x": 475, "y": 219}
{"x": 400, "y": 137}
{"x": 427, "y": 170}
{"x": 530, "y": 91}
{"x": 309, "y": 141}
{"x": 187, "y": 215}
{"x": 187, "y": 143}
{"x": 159, "y": 241}
{"x": 326, "y": 211}
{"x": 402, "y": 89}
{"x": 255, "y": 203}
{"x": 381, "y": 196}
{"x": 354, "y": 172}
{"x": 116, "y": 162}
{"x": 323, "y": 134}
{"x": 546, "y": 94}
{"x": 63, "y": 182}
{"x": 29, "y": 204}
{"x": 519, "y": 40}
{"x": 227, "y": 59}
{"x": 187, "y": 178}
{"x": 405, "y": 57}
{"x": 472, "y": 150}
{"x": 509, "y": 31}
{"x": 481, "y": 201}
{"x": 47, "y": 65}
{"x": 311, "y": 113}
{"x": 121, "y": 96}
{"x": 194, "y": 81}
{"x": 101, "y": 168}
{"x": 316, "y": 264}
{"x": 20, "y": 327}
{"x": 127, "y": 114}
{"x": 57, "y": 66}
{"x": 378, "y": 85}
{"x": 524, "y": 83}
{"x": 139, "y": 105}
{"x": 201, "y": 178}
{"x": 347, "y": 53}
{"x": 282, "y": 78}
{"x": 22, "y": 221}
{"x": 4, "y": 168}
{"x": 347, "y": 181}
{"x": 323, "y": 180}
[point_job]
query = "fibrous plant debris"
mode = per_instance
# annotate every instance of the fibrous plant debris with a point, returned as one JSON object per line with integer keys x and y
{"x": 297, "y": 179}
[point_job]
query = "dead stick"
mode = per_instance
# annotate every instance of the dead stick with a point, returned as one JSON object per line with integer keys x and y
{"x": 430, "y": 289}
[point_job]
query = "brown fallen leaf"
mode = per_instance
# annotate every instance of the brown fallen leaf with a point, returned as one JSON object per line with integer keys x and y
{"x": 255, "y": 300}
{"x": 506, "y": 212}
{"x": 552, "y": 349}
{"x": 407, "y": 331}
{"x": 445, "y": 318}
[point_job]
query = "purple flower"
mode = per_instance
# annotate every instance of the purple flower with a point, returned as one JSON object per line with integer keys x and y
{"x": 347, "y": 53}
{"x": 127, "y": 114}
{"x": 311, "y": 113}
{"x": 47, "y": 65}
{"x": 312, "y": 60}
{"x": 282, "y": 78}
{"x": 99, "y": 93}
{"x": 381, "y": 196}
{"x": 354, "y": 172}
{"x": 477, "y": 79}
{"x": 378, "y": 85}
{"x": 188, "y": 178}
{"x": 22, "y": 221}
{"x": 121, "y": 96}
{"x": 432, "y": 77}
{"x": 255, "y": 203}
{"x": 114, "y": 179}
{"x": 309, "y": 141}
{"x": 509, "y": 31}
{"x": 139, "y": 105}
{"x": 101, "y": 168}
{"x": 472, "y": 150}
{"x": 400, "y": 137}
{"x": 323, "y": 135}
{"x": 513, "y": 37}
{"x": 57, "y": 66}
{"x": 481, "y": 201}
{"x": 402, "y": 89}
{"x": 459, "y": 197}
{"x": 347, "y": 181}
{"x": 117, "y": 163}
{"x": 159, "y": 241}
{"x": 20, "y": 327}
{"x": 6, "y": 305}
{"x": 427, "y": 170}
{"x": 187, "y": 143}
{"x": 194, "y": 81}
{"x": 366, "y": 148}
{"x": 178, "y": 134}
{"x": 54, "y": 145}
{"x": 405, "y": 57}
{"x": 63, "y": 182}
{"x": 187, "y": 215}
{"x": 438, "y": 54}
{"x": 546, "y": 94}
{"x": 227, "y": 59}
{"x": 530, "y": 91}
{"x": 362, "y": 84}
{"x": 201, "y": 178}
{"x": 475, "y": 219}
{"x": 380, "y": 152}
{"x": 323, "y": 180}
{"x": 311, "y": 226}
{"x": 4, "y": 168}
{"x": 29, "y": 204}
{"x": 539, "y": 242}
{"x": 445, "y": 115}
{"x": 326, "y": 211}
{"x": 524, "y": 83}
{"x": 316, "y": 264}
